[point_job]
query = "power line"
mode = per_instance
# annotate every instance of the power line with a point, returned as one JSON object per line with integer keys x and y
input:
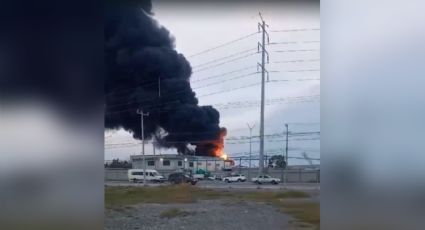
{"x": 316, "y": 79}
{"x": 295, "y": 71}
{"x": 292, "y": 42}
{"x": 277, "y": 43}
{"x": 224, "y": 74}
{"x": 183, "y": 91}
{"x": 224, "y": 44}
{"x": 298, "y": 60}
{"x": 229, "y": 105}
{"x": 292, "y": 51}
{"x": 225, "y": 62}
{"x": 229, "y": 90}
{"x": 233, "y": 138}
{"x": 225, "y": 80}
{"x": 225, "y": 57}
{"x": 241, "y": 139}
{"x": 225, "y": 107}
{"x": 295, "y": 30}
{"x": 148, "y": 83}
{"x": 215, "y": 83}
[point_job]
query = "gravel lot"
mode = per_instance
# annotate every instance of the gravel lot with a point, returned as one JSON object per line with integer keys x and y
{"x": 201, "y": 215}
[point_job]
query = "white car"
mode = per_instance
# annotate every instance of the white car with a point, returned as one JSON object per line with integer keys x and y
{"x": 265, "y": 179}
{"x": 235, "y": 178}
{"x": 136, "y": 175}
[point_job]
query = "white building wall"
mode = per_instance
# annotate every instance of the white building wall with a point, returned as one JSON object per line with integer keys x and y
{"x": 209, "y": 164}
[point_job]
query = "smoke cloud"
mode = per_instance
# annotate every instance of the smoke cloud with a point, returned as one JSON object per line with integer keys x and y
{"x": 143, "y": 71}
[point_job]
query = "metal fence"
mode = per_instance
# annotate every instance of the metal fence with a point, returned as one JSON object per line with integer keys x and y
{"x": 292, "y": 173}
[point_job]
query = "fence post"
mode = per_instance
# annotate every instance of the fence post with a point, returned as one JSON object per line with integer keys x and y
{"x": 299, "y": 175}
{"x": 240, "y": 165}
{"x": 249, "y": 167}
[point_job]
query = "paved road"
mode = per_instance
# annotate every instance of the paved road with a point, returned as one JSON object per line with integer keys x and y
{"x": 223, "y": 185}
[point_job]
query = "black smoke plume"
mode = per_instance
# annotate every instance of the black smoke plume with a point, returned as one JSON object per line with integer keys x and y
{"x": 140, "y": 57}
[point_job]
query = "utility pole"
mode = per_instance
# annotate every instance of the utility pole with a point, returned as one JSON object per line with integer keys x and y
{"x": 142, "y": 115}
{"x": 286, "y": 157}
{"x": 262, "y": 28}
{"x": 250, "y": 148}
{"x": 286, "y": 153}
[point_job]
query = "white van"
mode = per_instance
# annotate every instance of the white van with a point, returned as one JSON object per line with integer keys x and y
{"x": 136, "y": 175}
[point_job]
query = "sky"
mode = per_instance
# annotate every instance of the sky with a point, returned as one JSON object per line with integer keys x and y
{"x": 225, "y": 78}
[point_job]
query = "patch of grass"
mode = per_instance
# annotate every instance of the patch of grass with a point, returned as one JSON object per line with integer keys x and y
{"x": 307, "y": 213}
{"x": 292, "y": 194}
{"x": 271, "y": 197}
{"x": 116, "y": 197}
{"x": 174, "y": 212}
{"x": 304, "y": 211}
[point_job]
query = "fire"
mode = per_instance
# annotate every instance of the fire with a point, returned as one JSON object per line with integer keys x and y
{"x": 223, "y": 156}
{"x": 219, "y": 152}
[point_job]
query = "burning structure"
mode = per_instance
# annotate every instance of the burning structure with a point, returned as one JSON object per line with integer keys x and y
{"x": 144, "y": 71}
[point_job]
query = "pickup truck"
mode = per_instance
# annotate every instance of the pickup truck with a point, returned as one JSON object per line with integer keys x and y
{"x": 265, "y": 179}
{"x": 234, "y": 178}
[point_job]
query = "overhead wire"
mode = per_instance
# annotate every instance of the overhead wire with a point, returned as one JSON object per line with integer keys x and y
{"x": 222, "y": 74}
{"x": 294, "y": 30}
{"x": 223, "y": 45}
{"x": 224, "y": 57}
{"x": 226, "y": 80}
{"x": 224, "y": 63}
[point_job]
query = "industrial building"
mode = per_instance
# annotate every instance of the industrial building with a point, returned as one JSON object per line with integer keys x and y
{"x": 173, "y": 162}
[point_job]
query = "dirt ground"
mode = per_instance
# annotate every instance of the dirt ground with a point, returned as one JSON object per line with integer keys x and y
{"x": 193, "y": 208}
{"x": 202, "y": 215}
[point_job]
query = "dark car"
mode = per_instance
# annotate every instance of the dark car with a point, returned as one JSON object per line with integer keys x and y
{"x": 178, "y": 178}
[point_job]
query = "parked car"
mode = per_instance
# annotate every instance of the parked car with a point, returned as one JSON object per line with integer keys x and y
{"x": 199, "y": 176}
{"x": 214, "y": 177}
{"x": 235, "y": 178}
{"x": 178, "y": 178}
{"x": 136, "y": 175}
{"x": 265, "y": 179}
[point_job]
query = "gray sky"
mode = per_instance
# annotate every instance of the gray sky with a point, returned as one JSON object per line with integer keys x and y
{"x": 292, "y": 97}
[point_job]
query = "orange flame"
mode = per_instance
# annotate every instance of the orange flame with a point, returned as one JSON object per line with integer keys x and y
{"x": 223, "y": 156}
{"x": 219, "y": 152}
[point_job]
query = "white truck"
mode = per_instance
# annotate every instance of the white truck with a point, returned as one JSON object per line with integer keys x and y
{"x": 136, "y": 175}
{"x": 234, "y": 178}
{"x": 265, "y": 179}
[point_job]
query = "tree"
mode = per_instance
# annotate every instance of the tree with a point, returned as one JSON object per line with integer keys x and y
{"x": 116, "y": 163}
{"x": 277, "y": 161}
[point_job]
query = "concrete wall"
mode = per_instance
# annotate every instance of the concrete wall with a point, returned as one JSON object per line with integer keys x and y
{"x": 116, "y": 174}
